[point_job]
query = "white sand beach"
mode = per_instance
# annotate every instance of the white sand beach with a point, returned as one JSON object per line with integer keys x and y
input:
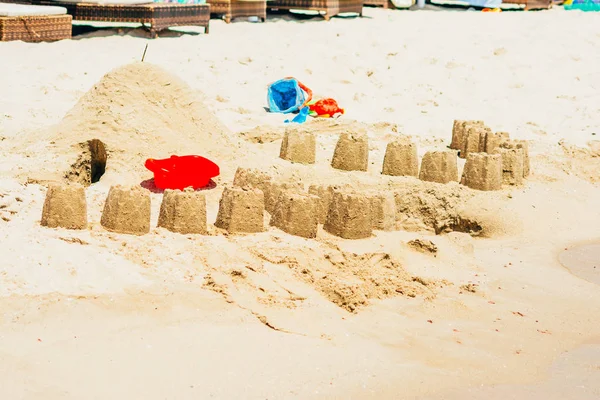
{"x": 93, "y": 314}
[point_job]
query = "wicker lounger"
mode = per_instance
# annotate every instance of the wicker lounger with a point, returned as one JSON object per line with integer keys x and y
{"x": 377, "y": 3}
{"x": 330, "y": 7}
{"x": 39, "y": 28}
{"x": 532, "y": 4}
{"x": 231, "y": 9}
{"x": 157, "y": 16}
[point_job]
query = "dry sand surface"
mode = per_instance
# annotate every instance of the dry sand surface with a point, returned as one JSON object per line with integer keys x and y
{"x": 425, "y": 311}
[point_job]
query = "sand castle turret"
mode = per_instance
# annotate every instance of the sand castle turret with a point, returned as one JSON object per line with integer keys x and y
{"x": 459, "y": 133}
{"x": 183, "y": 212}
{"x": 349, "y": 216}
{"x": 401, "y": 158}
{"x": 524, "y": 146}
{"x": 383, "y": 211}
{"x": 298, "y": 146}
{"x": 241, "y": 210}
{"x": 483, "y": 171}
{"x": 475, "y": 138}
{"x": 252, "y": 177}
{"x": 65, "y": 207}
{"x": 351, "y": 152}
{"x": 490, "y": 141}
{"x": 296, "y": 214}
{"x": 274, "y": 189}
{"x": 512, "y": 166}
{"x": 127, "y": 210}
{"x": 439, "y": 166}
{"x": 324, "y": 194}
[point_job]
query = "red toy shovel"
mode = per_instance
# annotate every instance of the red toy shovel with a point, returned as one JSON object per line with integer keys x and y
{"x": 180, "y": 172}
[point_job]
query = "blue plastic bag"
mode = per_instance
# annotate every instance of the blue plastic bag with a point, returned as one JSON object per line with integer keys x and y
{"x": 285, "y": 96}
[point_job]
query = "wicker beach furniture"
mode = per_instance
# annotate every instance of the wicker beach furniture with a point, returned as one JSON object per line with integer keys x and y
{"x": 377, "y": 3}
{"x": 33, "y": 24}
{"x": 154, "y": 16}
{"x": 532, "y": 4}
{"x": 230, "y": 9}
{"x": 330, "y": 8}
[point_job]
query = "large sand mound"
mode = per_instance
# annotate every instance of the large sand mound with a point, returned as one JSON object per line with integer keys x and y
{"x": 138, "y": 111}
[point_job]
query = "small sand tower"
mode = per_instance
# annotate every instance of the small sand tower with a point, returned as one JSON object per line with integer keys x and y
{"x": 474, "y": 140}
{"x": 383, "y": 211}
{"x": 298, "y": 146}
{"x": 349, "y": 216}
{"x": 512, "y": 166}
{"x": 459, "y": 133}
{"x": 351, "y": 152}
{"x": 324, "y": 194}
{"x": 274, "y": 189}
{"x": 183, "y": 212}
{"x": 241, "y": 210}
{"x": 65, "y": 207}
{"x": 401, "y": 158}
{"x": 296, "y": 214}
{"x": 439, "y": 166}
{"x": 490, "y": 141}
{"x": 127, "y": 210}
{"x": 252, "y": 177}
{"x": 524, "y": 146}
{"x": 483, "y": 171}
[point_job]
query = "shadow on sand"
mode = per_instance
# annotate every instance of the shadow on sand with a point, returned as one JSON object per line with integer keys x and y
{"x": 151, "y": 186}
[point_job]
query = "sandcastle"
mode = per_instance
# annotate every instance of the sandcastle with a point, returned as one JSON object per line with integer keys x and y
{"x": 183, "y": 212}
{"x": 252, "y": 177}
{"x": 524, "y": 146}
{"x": 351, "y": 152}
{"x": 275, "y": 188}
{"x": 349, "y": 216}
{"x": 298, "y": 146}
{"x": 401, "y": 159}
{"x": 296, "y": 214}
{"x": 65, "y": 207}
{"x": 512, "y": 166}
{"x": 459, "y": 133}
{"x": 439, "y": 166}
{"x": 483, "y": 171}
{"x": 491, "y": 141}
{"x": 324, "y": 194}
{"x": 127, "y": 210}
{"x": 383, "y": 211}
{"x": 474, "y": 138}
{"x": 241, "y": 210}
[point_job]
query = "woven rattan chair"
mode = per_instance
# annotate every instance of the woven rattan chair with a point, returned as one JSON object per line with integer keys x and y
{"x": 330, "y": 8}
{"x": 33, "y": 23}
{"x": 532, "y": 4}
{"x": 155, "y": 16}
{"x": 230, "y": 9}
{"x": 377, "y": 3}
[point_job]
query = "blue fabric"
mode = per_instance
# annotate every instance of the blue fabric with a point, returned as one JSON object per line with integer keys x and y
{"x": 301, "y": 117}
{"x": 285, "y": 96}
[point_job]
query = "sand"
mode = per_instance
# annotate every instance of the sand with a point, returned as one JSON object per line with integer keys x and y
{"x": 466, "y": 291}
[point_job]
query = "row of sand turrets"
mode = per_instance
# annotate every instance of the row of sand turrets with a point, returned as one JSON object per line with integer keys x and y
{"x": 127, "y": 210}
{"x": 492, "y": 158}
{"x": 343, "y": 211}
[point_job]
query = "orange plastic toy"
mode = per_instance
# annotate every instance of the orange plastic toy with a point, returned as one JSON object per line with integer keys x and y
{"x": 325, "y": 108}
{"x": 181, "y": 172}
